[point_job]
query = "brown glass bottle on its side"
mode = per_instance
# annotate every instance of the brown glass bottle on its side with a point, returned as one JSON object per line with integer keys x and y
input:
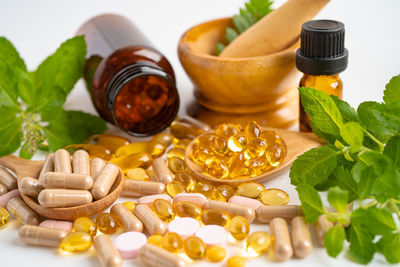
{"x": 132, "y": 84}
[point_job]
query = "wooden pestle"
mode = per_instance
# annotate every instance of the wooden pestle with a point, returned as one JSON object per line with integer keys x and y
{"x": 276, "y": 31}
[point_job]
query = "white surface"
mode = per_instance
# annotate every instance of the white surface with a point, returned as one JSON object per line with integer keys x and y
{"x": 37, "y": 27}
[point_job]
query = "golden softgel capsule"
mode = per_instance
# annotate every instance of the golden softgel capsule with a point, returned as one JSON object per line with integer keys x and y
{"x": 40, "y": 236}
{"x": 76, "y": 242}
{"x": 85, "y": 224}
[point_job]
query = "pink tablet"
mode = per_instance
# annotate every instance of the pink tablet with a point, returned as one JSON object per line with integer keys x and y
{"x": 129, "y": 243}
{"x": 246, "y": 201}
{"x": 184, "y": 227}
{"x": 195, "y": 198}
{"x": 61, "y": 225}
{"x": 151, "y": 198}
{"x": 7, "y": 196}
{"x": 213, "y": 235}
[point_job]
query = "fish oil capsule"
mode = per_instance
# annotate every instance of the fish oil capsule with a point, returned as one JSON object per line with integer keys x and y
{"x": 154, "y": 149}
{"x": 275, "y": 154}
{"x": 215, "y": 253}
{"x": 59, "y": 180}
{"x": 7, "y": 179}
{"x": 113, "y": 142}
{"x": 235, "y": 164}
{"x": 256, "y": 148}
{"x": 130, "y": 205}
{"x": 30, "y": 187}
{"x": 185, "y": 179}
{"x": 216, "y": 167}
{"x": 194, "y": 248}
{"x": 223, "y": 193}
{"x": 282, "y": 244}
{"x": 96, "y": 165}
{"x": 172, "y": 242}
{"x": 301, "y": 237}
{"x": 155, "y": 240}
{"x": 76, "y": 242}
{"x": 138, "y": 174}
{"x": 152, "y": 223}
{"x": 81, "y": 162}
{"x": 4, "y": 217}
{"x": 176, "y": 152}
{"x": 129, "y": 222}
{"x": 107, "y": 223}
{"x": 108, "y": 255}
{"x": 163, "y": 173}
{"x": 142, "y": 160}
{"x": 266, "y": 213}
{"x": 183, "y": 130}
{"x": 218, "y": 144}
{"x": 40, "y": 236}
{"x": 183, "y": 143}
{"x": 48, "y": 165}
{"x": 24, "y": 214}
{"x": 62, "y": 162}
{"x": 196, "y": 123}
{"x": 214, "y": 216}
{"x": 154, "y": 256}
{"x": 274, "y": 197}
{"x": 63, "y": 198}
{"x": 203, "y": 188}
{"x": 163, "y": 138}
{"x": 163, "y": 209}
{"x": 251, "y": 190}
{"x": 321, "y": 226}
{"x": 239, "y": 227}
{"x": 3, "y": 190}
{"x": 95, "y": 151}
{"x": 252, "y": 130}
{"x": 258, "y": 242}
{"x": 236, "y": 261}
{"x": 104, "y": 181}
{"x": 85, "y": 224}
{"x": 227, "y": 130}
{"x": 175, "y": 188}
{"x": 232, "y": 209}
{"x": 175, "y": 164}
{"x": 237, "y": 142}
{"x": 142, "y": 188}
{"x": 187, "y": 209}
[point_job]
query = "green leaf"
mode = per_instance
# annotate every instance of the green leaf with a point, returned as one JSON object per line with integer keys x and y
{"x": 230, "y": 34}
{"x": 247, "y": 16}
{"x": 348, "y": 113}
{"x": 25, "y": 86}
{"x": 392, "y": 150}
{"x": 387, "y": 185}
{"x": 342, "y": 177}
{"x": 380, "y": 221}
{"x": 378, "y": 161}
{"x": 220, "y": 47}
{"x": 10, "y": 130}
{"x": 310, "y": 202}
{"x": 314, "y": 166}
{"x": 362, "y": 248}
{"x": 365, "y": 177}
{"x": 392, "y": 91}
{"x": 25, "y": 152}
{"x": 352, "y": 133}
{"x": 333, "y": 240}
{"x": 50, "y": 102}
{"x": 389, "y": 246}
{"x": 9, "y": 54}
{"x": 240, "y": 23}
{"x": 8, "y": 86}
{"x": 338, "y": 198}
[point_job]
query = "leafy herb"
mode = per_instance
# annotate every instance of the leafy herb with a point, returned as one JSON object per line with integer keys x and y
{"x": 31, "y": 102}
{"x": 253, "y": 11}
{"x": 361, "y": 161}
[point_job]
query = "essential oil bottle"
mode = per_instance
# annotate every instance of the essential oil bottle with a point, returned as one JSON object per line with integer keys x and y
{"x": 321, "y": 57}
{"x": 132, "y": 85}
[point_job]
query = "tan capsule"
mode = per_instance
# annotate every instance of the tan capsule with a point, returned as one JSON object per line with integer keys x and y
{"x": 282, "y": 245}
{"x": 301, "y": 237}
{"x": 30, "y": 187}
{"x": 129, "y": 221}
{"x": 163, "y": 173}
{"x": 266, "y": 213}
{"x": 153, "y": 256}
{"x": 152, "y": 223}
{"x": 195, "y": 122}
{"x": 7, "y": 179}
{"x": 63, "y": 198}
{"x": 96, "y": 165}
{"x": 24, "y": 214}
{"x": 3, "y": 189}
{"x": 62, "y": 161}
{"x": 142, "y": 188}
{"x": 321, "y": 226}
{"x": 81, "y": 162}
{"x": 59, "y": 180}
{"x": 41, "y": 236}
{"x": 104, "y": 181}
{"x": 232, "y": 209}
{"x": 108, "y": 255}
{"x": 48, "y": 165}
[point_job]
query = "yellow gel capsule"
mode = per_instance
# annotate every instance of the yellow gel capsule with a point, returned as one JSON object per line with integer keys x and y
{"x": 274, "y": 197}
{"x": 163, "y": 209}
{"x": 183, "y": 143}
{"x": 154, "y": 149}
{"x": 187, "y": 209}
{"x": 215, "y": 253}
{"x": 176, "y": 164}
{"x": 239, "y": 227}
{"x": 236, "y": 261}
{"x": 252, "y": 130}
{"x": 130, "y": 205}
{"x": 226, "y": 130}
{"x": 86, "y": 225}
{"x": 182, "y": 130}
{"x": 128, "y": 162}
{"x": 223, "y": 193}
{"x": 164, "y": 139}
{"x": 155, "y": 240}
{"x": 216, "y": 168}
{"x": 94, "y": 151}
{"x": 138, "y": 174}
{"x": 258, "y": 242}
{"x": 203, "y": 188}
{"x": 194, "y": 247}
{"x": 256, "y": 166}
{"x": 107, "y": 223}
{"x": 176, "y": 152}
{"x": 175, "y": 188}
{"x": 214, "y": 216}
{"x": 4, "y": 217}
{"x": 256, "y": 148}
{"x": 172, "y": 242}
{"x": 185, "y": 179}
{"x": 218, "y": 144}
{"x": 275, "y": 154}
{"x": 251, "y": 190}
{"x": 235, "y": 163}
{"x": 237, "y": 142}
{"x": 76, "y": 242}
{"x": 113, "y": 142}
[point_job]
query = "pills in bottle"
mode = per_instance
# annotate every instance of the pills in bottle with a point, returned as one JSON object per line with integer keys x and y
{"x": 194, "y": 248}
{"x": 85, "y": 224}
{"x": 76, "y": 242}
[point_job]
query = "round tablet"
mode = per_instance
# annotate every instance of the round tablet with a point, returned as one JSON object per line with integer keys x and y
{"x": 213, "y": 235}
{"x": 184, "y": 227}
{"x": 129, "y": 243}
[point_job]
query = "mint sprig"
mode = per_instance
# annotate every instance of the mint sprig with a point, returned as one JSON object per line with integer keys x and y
{"x": 361, "y": 164}
{"x": 31, "y": 103}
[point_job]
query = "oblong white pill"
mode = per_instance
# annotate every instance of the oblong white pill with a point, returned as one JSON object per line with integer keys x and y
{"x": 184, "y": 227}
{"x": 61, "y": 225}
{"x": 7, "y": 196}
{"x": 129, "y": 243}
{"x": 213, "y": 235}
{"x": 151, "y": 198}
{"x": 246, "y": 201}
{"x": 195, "y": 198}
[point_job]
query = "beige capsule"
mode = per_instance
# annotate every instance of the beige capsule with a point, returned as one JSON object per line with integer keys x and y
{"x": 301, "y": 237}
{"x": 142, "y": 188}
{"x": 63, "y": 198}
{"x": 153, "y": 256}
{"x": 62, "y": 161}
{"x": 30, "y": 187}
{"x": 96, "y": 165}
{"x": 108, "y": 255}
{"x": 59, "y": 180}
{"x": 266, "y": 213}
{"x": 321, "y": 226}
{"x": 129, "y": 221}
{"x": 163, "y": 173}
{"x": 3, "y": 189}
{"x": 232, "y": 209}
{"x": 24, "y": 214}
{"x": 81, "y": 162}
{"x": 104, "y": 181}
{"x": 7, "y": 179}
{"x": 48, "y": 165}
{"x": 282, "y": 244}
{"x": 152, "y": 223}
{"x": 41, "y": 236}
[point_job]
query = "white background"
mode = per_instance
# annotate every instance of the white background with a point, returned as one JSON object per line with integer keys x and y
{"x": 37, "y": 28}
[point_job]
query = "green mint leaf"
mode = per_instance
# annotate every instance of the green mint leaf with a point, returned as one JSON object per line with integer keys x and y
{"x": 310, "y": 202}
{"x": 10, "y": 130}
{"x": 348, "y": 113}
{"x": 389, "y": 246}
{"x": 387, "y": 185}
{"x": 342, "y": 177}
{"x": 365, "y": 177}
{"x": 353, "y": 135}
{"x": 314, "y": 166}
{"x": 240, "y": 23}
{"x": 50, "y": 102}
{"x": 338, "y": 198}
{"x": 230, "y": 34}
{"x": 362, "y": 248}
{"x": 9, "y": 54}
{"x": 392, "y": 91}
{"x": 220, "y": 47}
{"x": 376, "y": 160}
{"x": 380, "y": 221}
{"x": 25, "y": 152}
{"x": 334, "y": 239}
{"x": 392, "y": 150}
{"x": 8, "y": 86}
{"x": 25, "y": 86}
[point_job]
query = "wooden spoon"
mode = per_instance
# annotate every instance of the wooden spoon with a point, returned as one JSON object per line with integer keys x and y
{"x": 31, "y": 168}
{"x": 296, "y": 144}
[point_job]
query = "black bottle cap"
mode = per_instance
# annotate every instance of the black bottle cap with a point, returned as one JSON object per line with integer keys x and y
{"x": 322, "y": 49}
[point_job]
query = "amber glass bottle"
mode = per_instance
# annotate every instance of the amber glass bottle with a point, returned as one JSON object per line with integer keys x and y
{"x": 132, "y": 84}
{"x": 321, "y": 57}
